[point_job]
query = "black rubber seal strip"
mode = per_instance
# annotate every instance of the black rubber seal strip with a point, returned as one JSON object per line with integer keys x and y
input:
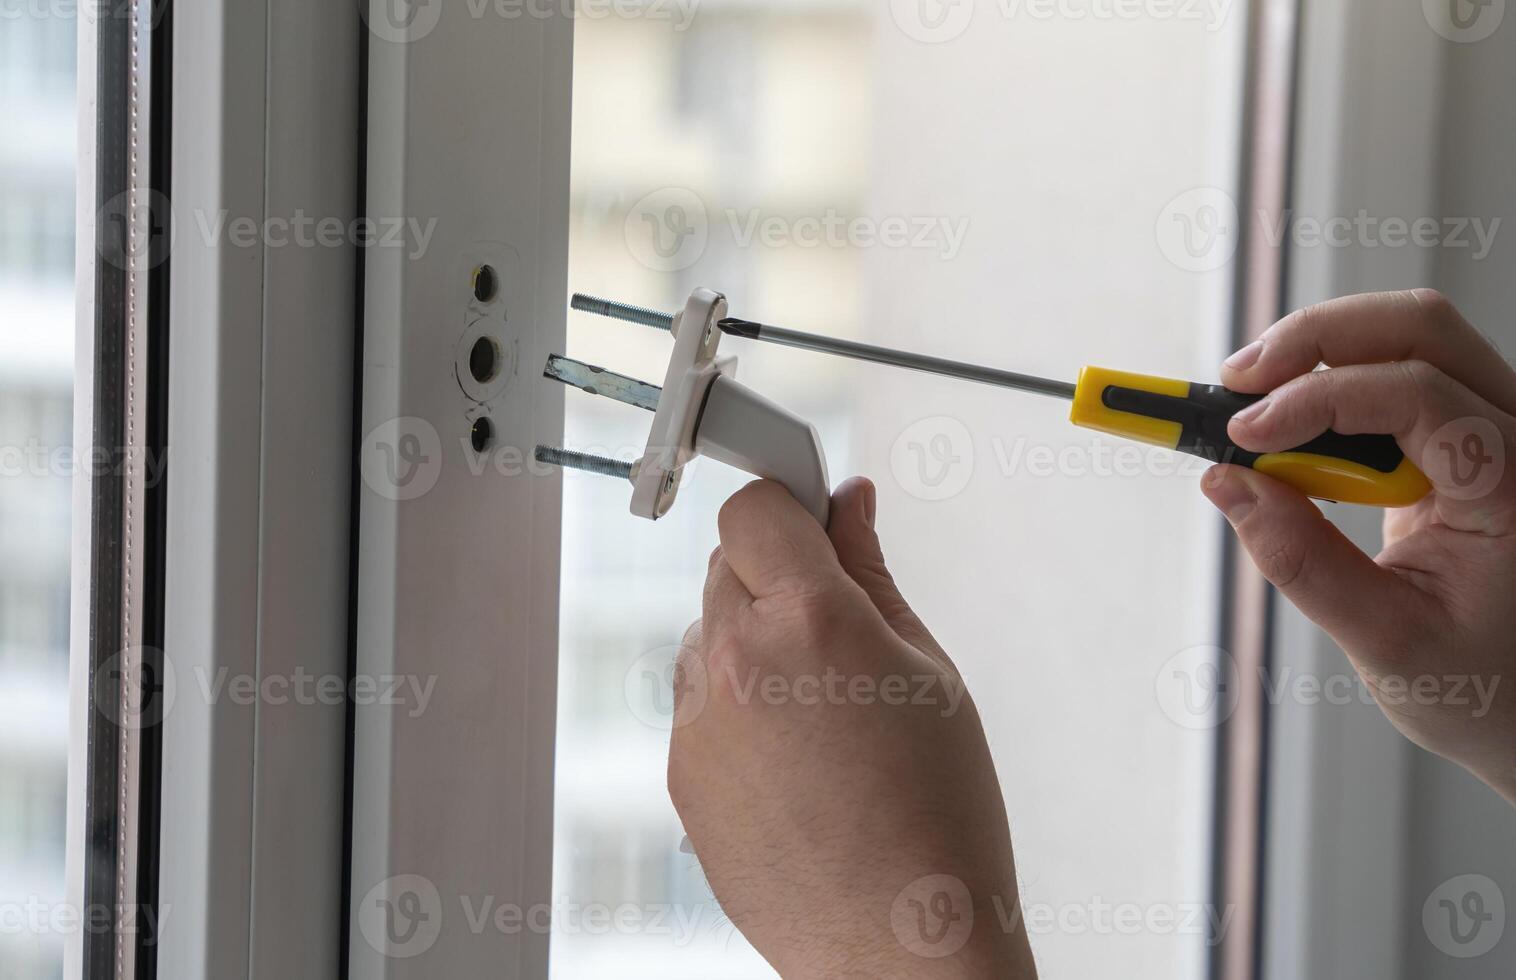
{"x": 355, "y": 499}
{"x": 155, "y": 513}
{"x": 107, "y": 433}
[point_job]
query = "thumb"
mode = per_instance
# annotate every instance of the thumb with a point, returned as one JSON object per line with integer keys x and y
{"x": 852, "y": 532}
{"x": 1367, "y": 608}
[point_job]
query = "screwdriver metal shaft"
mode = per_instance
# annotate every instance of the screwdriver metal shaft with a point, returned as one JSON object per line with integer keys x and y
{"x": 830, "y": 345}
{"x": 897, "y": 358}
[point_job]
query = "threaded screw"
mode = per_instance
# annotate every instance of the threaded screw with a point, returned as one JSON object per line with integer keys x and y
{"x": 622, "y": 311}
{"x": 570, "y": 460}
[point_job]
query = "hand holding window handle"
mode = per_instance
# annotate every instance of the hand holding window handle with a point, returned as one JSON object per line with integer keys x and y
{"x": 828, "y": 765}
{"x": 1433, "y": 613}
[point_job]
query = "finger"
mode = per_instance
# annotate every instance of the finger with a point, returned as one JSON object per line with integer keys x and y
{"x": 774, "y": 545}
{"x": 1361, "y": 604}
{"x": 1428, "y": 413}
{"x": 725, "y": 596}
{"x": 1419, "y": 325}
{"x": 858, "y": 550}
{"x": 690, "y": 678}
{"x": 693, "y": 641}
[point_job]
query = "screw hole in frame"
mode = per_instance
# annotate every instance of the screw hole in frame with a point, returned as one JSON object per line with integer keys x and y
{"x": 486, "y": 284}
{"x": 484, "y": 360}
{"x": 481, "y": 434}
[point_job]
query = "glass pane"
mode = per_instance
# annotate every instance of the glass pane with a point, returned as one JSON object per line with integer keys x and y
{"x": 37, "y": 60}
{"x": 1025, "y": 185}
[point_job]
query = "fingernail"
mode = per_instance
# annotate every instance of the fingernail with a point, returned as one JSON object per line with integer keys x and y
{"x": 1230, "y": 494}
{"x": 1252, "y": 413}
{"x": 1247, "y": 357}
{"x": 870, "y": 503}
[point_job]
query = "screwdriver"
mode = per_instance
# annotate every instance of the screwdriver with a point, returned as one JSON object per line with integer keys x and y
{"x": 1178, "y": 415}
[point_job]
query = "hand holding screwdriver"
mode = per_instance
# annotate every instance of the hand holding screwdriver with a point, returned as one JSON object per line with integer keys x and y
{"x": 1436, "y": 603}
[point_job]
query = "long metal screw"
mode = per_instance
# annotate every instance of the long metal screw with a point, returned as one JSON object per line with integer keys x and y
{"x": 568, "y": 459}
{"x": 622, "y": 311}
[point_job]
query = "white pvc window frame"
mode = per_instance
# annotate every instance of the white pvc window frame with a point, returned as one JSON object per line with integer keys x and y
{"x": 266, "y": 105}
{"x": 458, "y": 556}
{"x": 250, "y": 855}
{"x": 1339, "y": 778}
{"x": 296, "y": 372}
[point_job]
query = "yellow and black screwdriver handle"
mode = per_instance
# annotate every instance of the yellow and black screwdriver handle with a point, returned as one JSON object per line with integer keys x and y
{"x": 1192, "y": 418}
